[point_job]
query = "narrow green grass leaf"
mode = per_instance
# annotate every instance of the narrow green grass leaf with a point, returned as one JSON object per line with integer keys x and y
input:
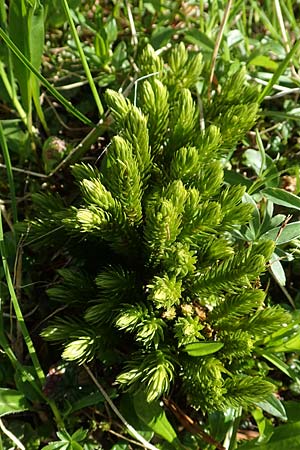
{"x": 17, "y": 309}
{"x": 36, "y": 45}
{"x": 203, "y": 348}
{"x": 280, "y": 70}
{"x": 12, "y": 94}
{"x": 279, "y": 115}
{"x": 83, "y": 58}
{"x": 19, "y": 34}
{"x": 6, "y": 156}
{"x": 282, "y": 197}
{"x": 69, "y": 107}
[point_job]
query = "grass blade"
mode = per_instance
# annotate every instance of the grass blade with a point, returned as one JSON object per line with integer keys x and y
{"x": 83, "y": 58}
{"x": 10, "y": 177}
{"x": 69, "y": 107}
{"x": 19, "y": 34}
{"x": 281, "y": 68}
{"x": 36, "y": 45}
{"x": 12, "y": 94}
{"x": 19, "y": 315}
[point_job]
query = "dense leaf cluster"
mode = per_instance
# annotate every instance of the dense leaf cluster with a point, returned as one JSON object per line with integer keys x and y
{"x": 169, "y": 278}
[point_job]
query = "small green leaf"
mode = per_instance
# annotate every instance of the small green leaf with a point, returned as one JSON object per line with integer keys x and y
{"x": 282, "y": 197}
{"x": 288, "y": 233}
{"x": 79, "y": 435}
{"x": 203, "y": 348}
{"x": 264, "y": 61}
{"x": 272, "y": 405}
{"x": 12, "y": 401}
{"x": 277, "y": 270}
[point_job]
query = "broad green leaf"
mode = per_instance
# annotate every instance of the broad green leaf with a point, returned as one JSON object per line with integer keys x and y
{"x": 232, "y": 177}
{"x": 282, "y": 197}
{"x": 161, "y": 36}
{"x": 264, "y": 425}
{"x": 292, "y": 411}
{"x": 282, "y": 235}
{"x": 194, "y": 36}
{"x": 284, "y": 333}
{"x": 203, "y": 348}
{"x": 264, "y": 61}
{"x": 291, "y": 344}
{"x": 277, "y": 270}
{"x": 79, "y": 435}
{"x": 91, "y": 399}
{"x": 220, "y": 422}
{"x": 279, "y": 364}
{"x": 127, "y": 409}
{"x": 12, "y": 401}
{"x": 277, "y": 220}
{"x": 26, "y": 387}
{"x": 263, "y": 165}
{"x": 272, "y": 405}
{"x": 153, "y": 415}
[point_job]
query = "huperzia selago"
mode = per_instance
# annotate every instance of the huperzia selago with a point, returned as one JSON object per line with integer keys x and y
{"x": 172, "y": 298}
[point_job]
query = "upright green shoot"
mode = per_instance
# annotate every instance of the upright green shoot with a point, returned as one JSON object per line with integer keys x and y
{"x": 83, "y": 58}
{"x": 19, "y": 315}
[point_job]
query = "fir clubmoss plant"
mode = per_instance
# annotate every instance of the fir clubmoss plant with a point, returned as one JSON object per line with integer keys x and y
{"x": 175, "y": 298}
